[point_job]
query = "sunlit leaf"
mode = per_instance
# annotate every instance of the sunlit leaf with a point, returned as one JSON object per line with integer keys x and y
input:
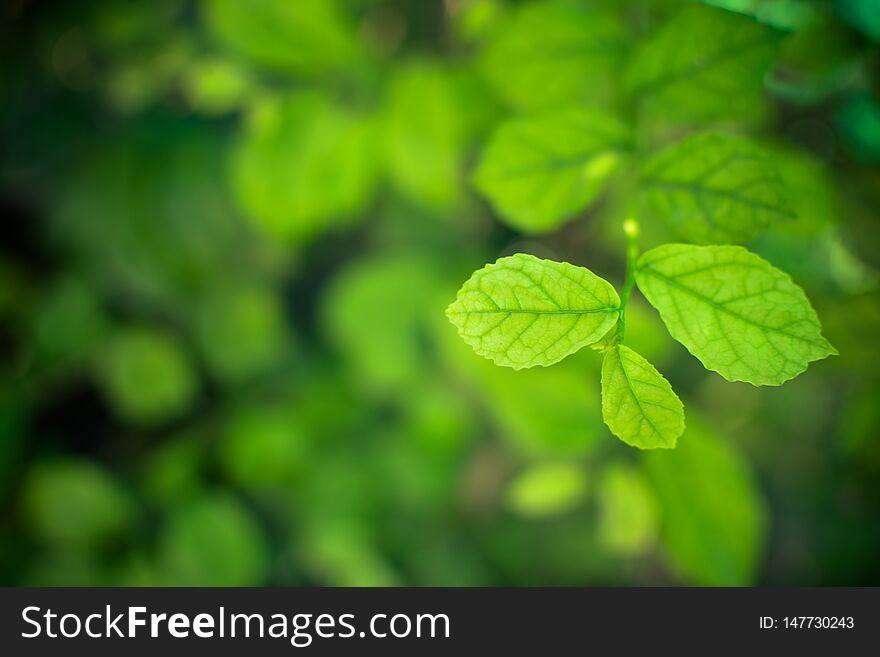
{"x": 638, "y": 404}
{"x": 522, "y": 311}
{"x": 713, "y": 515}
{"x": 552, "y": 53}
{"x": 715, "y": 188}
{"x": 541, "y": 170}
{"x": 734, "y": 311}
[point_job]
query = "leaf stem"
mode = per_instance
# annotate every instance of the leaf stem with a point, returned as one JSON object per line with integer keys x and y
{"x": 631, "y": 229}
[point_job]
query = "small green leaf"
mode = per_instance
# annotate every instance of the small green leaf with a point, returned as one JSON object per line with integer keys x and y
{"x": 703, "y": 65}
{"x": 638, "y": 404}
{"x": 550, "y": 54}
{"x": 738, "y": 314}
{"x": 522, "y": 311}
{"x": 146, "y": 375}
{"x": 715, "y": 188}
{"x": 546, "y": 490}
{"x": 539, "y": 171}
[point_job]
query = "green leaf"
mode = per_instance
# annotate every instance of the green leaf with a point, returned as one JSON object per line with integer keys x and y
{"x": 247, "y": 316}
{"x": 715, "y": 188}
{"x": 703, "y": 65}
{"x": 75, "y": 503}
{"x": 212, "y": 541}
{"x": 541, "y": 170}
{"x": 733, "y": 310}
{"x": 783, "y": 14}
{"x": 627, "y": 510}
{"x": 522, "y": 311}
{"x": 425, "y": 133}
{"x": 638, "y": 404}
{"x": 383, "y": 351}
{"x": 306, "y": 36}
{"x": 550, "y": 54}
{"x": 146, "y": 375}
{"x": 303, "y": 164}
{"x": 713, "y": 516}
{"x": 263, "y": 446}
{"x": 545, "y": 490}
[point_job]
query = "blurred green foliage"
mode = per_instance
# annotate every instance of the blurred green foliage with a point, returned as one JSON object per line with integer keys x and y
{"x": 232, "y": 229}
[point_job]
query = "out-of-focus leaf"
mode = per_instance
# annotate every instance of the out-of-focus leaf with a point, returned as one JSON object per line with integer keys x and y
{"x": 212, "y": 541}
{"x": 58, "y": 567}
{"x": 638, "y": 404}
{"x": 628, "y": 511}
{"x": 425, "y": 133}
{"x": 815, "y": 63}
{"x": 174, "y": 470}
{"x": 242, "y": 331}
{"x": 145, "y": 375}
{"x": 341, "y": 554}
{"x": 704, "y": 65}
{"x": 783, "y": 14}
{"x": 149, "y": 217}
{"x": 715, "y": 188}
{"x": 119, "y": 24}
{"x": 543, "y": 411}
{"x": 859, "y": 124}
{"x": 74, "y": 503}
{"x": 546, "y": 490}
{"x": 539, "y": 171}
{"x": 522, "y": 311}
{"x": 801, "y": 248}
{"x": 553, "y": 53}
{"x": 67, "y": 324}
{"x": 861, "y": 14}
{"x": 262, "y": 447}
{"x": 305, "y": 36}
{"x": 713, "y": 515}
{"x": 216, "y": 86}
{"x": 304, "y": 165}
{"x": 474, "y": 19}
{"x": 734, "y": 311}
{"x": 438, "y": 420}
{"x": 374, "y": 313}
{"x": 146, "y": 75}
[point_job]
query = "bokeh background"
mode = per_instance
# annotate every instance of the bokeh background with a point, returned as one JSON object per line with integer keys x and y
{"x": 230, "y": 230}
